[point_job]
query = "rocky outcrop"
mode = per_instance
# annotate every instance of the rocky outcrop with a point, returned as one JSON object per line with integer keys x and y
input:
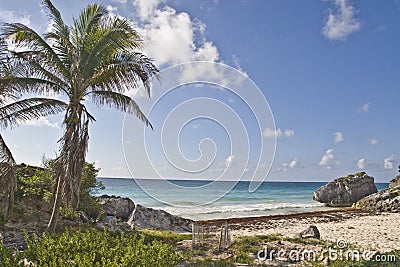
{"x": 344, "y": 191}
{"x": 143, "y": 217}
{"x": 395, "y": 182}
{"x": 310, "y": 232}
{"x": 124, "y": 209}
{"x": 116, "y": 206}
{"x": 387, "y": 200}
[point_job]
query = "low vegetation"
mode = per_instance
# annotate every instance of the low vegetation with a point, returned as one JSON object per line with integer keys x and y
{"x": 96, "y": 248}
{"x": 35, "y": 186}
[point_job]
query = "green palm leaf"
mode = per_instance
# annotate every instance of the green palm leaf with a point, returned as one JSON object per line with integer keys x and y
{"x": 28, "y": 109}
{"x": 120, "y": 102}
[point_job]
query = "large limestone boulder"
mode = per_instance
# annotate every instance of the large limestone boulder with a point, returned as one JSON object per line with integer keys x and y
{"x": 116, "y": 206}
{"x": 344, "y": 191}
{"x": 143, "y": 217}
{"x": 387, "y": 200}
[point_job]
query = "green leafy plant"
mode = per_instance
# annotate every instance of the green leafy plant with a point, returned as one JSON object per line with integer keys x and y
{"x": 100, "y": 248}
{"x": 7, "y": 257}
{"x": 34, "y": 183}
{"x": 89, "y": 187}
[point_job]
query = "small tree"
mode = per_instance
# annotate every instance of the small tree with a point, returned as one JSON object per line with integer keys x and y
{"x": 98, "y": 58}
{"x": 90, "y": 186}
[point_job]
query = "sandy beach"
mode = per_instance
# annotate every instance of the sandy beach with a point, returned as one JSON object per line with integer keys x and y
{"x": 367, "y": 230}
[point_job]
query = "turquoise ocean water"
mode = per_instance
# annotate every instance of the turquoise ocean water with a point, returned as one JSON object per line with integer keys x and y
{"x": 269, "y": 199}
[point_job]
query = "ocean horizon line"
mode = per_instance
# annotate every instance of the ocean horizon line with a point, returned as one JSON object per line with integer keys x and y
{"x": 205, "y": 180}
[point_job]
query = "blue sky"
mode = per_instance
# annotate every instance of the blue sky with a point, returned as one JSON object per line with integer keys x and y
{"x": 328, "y": 69}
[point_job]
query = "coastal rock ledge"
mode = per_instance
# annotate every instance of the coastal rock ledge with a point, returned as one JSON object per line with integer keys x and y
{"x": 345, "y": 191}
{"x": 116, "y": 206}
{"x": 387, "y": 200}
{"x": 143, "y": 217}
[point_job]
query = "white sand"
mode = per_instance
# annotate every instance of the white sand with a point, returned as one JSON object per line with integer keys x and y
{"x": 375, "y": 232}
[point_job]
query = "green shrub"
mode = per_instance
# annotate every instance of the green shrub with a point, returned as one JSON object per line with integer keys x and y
{"x": 7, "y": 258}
{"x": 36, "y": 183}
{"x": 96, "y": 248}
{"x": 90, "y": 186}
{"x": 36, "y": 186}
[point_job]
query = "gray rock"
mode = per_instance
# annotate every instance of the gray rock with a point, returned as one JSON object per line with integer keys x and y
{"x": 116, "y": 206}
{"x": 387, "y": 200}
{"x": 110, "y": 220}
{"x": 310, "y": 232}
{"x": 344, "y": 191}
{"x": 143, "y": 217}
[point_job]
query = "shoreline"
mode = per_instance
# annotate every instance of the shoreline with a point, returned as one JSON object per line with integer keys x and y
{"x": 307, "y": 214}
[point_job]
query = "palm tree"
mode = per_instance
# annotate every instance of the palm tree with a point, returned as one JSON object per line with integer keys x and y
{"x": 97, "y": 58}
{"x": 14, "y": 111}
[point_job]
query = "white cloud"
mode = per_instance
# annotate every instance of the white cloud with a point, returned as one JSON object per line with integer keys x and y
{"x": 41, "y": 122}
{"x": 388, "y": 163}
{"x": 172, "y": 37}
{"x": 289, "y": 165}
{"x": 362, "y": 163}
{"x": 373, "y": 141}
{"x": 329, "y": 160}
{"x": 120, "y": 1}
{"x": 341, "y": 21}
{"x": 112, "y": 10}
{"x": 293, "y": 164}
{"x": 229, "y": 160}
{"x": 366, "y": 107}
{"x": 338, "y": 137}
{"x": 268, "y": 132}
{"x": 10, "y": 16}
{"x": 289, "y": 133}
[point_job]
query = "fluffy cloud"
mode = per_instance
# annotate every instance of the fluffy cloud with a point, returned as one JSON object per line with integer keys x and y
{"x": 289, "y": 165}
{"x": 388, "y": 163}
{"x": 365, "y": 107}
{"x": 329, "y": 160}
{"x": 172, "y": 37}
{"x": 229, "y": 160}
{"x": 10, "y": 16}
{"x": 341, "y": 21}
{"x": 373, "y": 141}
{"x": 268, "y": 132}
{"x": 112, "y": 10}
{"x": 362, "y": 163}
{"x": 338, "y": 137}
{"x": 42, "y": 122}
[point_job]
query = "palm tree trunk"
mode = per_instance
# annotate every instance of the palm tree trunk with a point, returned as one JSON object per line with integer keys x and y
{"x": 70, "y": 165}
{"x": 58, "y": 200}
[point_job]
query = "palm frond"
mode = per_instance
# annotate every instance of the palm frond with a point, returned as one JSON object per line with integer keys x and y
{"x": 120, "y": 102}
{"x": 39, "y": 68}
{"x": 7, "y": 179}
{"x": 27, "y": 39}
{"x": 59, "y": 35}
{"x": 125, "y": 72}
{"x": 28, "y": 109}
{"x": 88, "y": 19}
{"x": 29, "y": 85}
{"x": 5, "y": 153}
{"x": 112, "y": 37}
